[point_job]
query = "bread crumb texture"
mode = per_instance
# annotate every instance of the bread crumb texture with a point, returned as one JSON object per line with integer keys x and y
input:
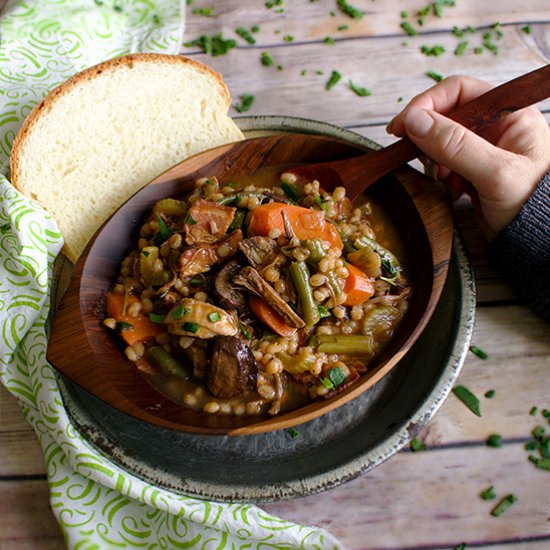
{"x": 105, "y": 133}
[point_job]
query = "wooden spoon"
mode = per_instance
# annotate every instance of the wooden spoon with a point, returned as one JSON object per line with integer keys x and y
{"x": 360, "y": 172}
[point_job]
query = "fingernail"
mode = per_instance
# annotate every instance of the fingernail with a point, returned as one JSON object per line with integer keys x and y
{"x": 418, "y": 122}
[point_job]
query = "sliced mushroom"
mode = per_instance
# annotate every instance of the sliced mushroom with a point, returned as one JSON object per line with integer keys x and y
{"x": 250, "y": 279}
{"x": 226, "y": 295}
{"x": 232, "y": 369}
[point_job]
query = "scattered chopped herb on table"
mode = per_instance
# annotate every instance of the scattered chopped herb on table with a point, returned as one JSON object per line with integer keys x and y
{"x": 359, "y": 90}
{"x": 503, "y": 505}
{"x": 215, "y": 45}
{"x": 533, "y": 411}
{"x": 478, "y": 50}
{"x": 266, "y": 59}
{"x": 246, "y": 102}
{"x": 329, "y": 40}
{"x": 288, "y": 38}
{"x": 436, "y": 76}
{"x": 468, "y": 398}
{"x": 245, "y": 35}
{"x": 343, "y": 27}
{"x": 408, "y": 28}
{"x": 333, "y": 80}
{"x": 479, "y": 352}
{"x": 436, "y": 50}
{"x": 526, "y": 29}
{"x": 488, "y": 494}
{"x": 417, "y": 445}
{"x": 206, "y": 12}
{"x": 350, "y": 10}
{"x": 490, "y": 394}
{"x": 461, "y": 48}
{"x": 494, "y": 440}
{"x": 292, "y": 432}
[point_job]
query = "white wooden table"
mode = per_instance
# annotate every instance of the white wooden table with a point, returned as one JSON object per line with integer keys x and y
{"x": 427, "y": 499}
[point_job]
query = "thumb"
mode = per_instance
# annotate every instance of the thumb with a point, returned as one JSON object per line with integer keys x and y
{"x": 452, "y": 145}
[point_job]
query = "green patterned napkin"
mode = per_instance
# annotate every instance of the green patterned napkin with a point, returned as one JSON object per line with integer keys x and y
{"x": 98, "y": 505}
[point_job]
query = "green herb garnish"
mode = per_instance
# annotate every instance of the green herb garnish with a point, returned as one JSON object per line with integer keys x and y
{"x": 288, "y": 38}
{"x": 122, "y": 325}
{"x": 436, "y": 76}
{"x": 527, "y": 29}
{"x": 436, "y": 50}
{"x": 329, "y": 40}
{"x": 215, "y": 45}
{"x": 179, "y": 311}
{"x": 246, "y": 332}
{"x": 245, "y": 35}
{"x": 458, "y": 32}
{"x": 246, "y": 102}
{"x": 156, "y": 318}
{"x": 408, "y": 28}
{"x": 324, "y": 312}
{"x": 359, "y": 90}
{"x": 214, "y": 317}
{"x": 292, "y": 432}
{"x": 488, "y": 494}
{"x": 404, "y": 14}
{"x": 343, "y": 28}
{"x": 494, "y": 440}
{"x": 479, "y": 352}
{"x": 533, "y": 411}
{"x": 416, "y": 445}
{"x": 490, "y": 394}
{"x": 189, "y": 220}
{"x": 336, "y": 376}
{"x": 478, "y": 50}
{"x": 164, "y": 230}
{"x": 503, "y": 505}
{"x": 320, "y": 202}
{"x": 206, "y": 12}
{"x": 333, "y": 80}
{"x": 327, "y": 383}
{"x": 388, "y": 268}
{"x": 350, "y": 10}
{"x": 468, "y": 398}
{"x": 292, "y": 192}
{"x": 266, "y": 59}
{"x": 461, "y": 48}
{"x": 191, "y": 327}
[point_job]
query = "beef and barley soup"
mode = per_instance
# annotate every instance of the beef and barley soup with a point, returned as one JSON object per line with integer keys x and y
{"x": 258, "y": 296}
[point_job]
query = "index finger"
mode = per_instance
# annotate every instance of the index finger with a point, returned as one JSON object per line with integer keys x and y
{"x": 443, "y": 98}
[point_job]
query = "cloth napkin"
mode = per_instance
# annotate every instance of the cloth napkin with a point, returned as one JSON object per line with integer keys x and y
{"x": 97, "y": 504}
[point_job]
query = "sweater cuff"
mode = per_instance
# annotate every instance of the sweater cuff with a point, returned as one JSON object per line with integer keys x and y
{"x": 521, "y": 251}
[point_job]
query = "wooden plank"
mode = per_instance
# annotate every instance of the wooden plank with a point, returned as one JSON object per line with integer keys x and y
{"x": 426, "y": 499}
{"x": 307, "y": 21}
{"x": 26, "y": 520}
{"x": 388, "y": 68}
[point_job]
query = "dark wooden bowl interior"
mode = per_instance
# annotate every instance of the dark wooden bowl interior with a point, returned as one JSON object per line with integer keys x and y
{"x": 89, "y": 354}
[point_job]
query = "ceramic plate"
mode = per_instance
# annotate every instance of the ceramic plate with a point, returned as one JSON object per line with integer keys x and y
{"x": 324, "y": 452}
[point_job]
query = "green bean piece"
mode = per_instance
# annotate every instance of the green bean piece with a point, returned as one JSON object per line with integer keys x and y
{"x": 350, "y": 344}
{"x": 300, "y": 277}
{"x": 391, "y": 260}
{"x": 238, "y": 220}
{"x": 165, "y": 362}
{"x": 316, "y": 250}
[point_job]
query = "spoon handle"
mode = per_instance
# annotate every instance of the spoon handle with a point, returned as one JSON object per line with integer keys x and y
{"x": 485, "y": 109}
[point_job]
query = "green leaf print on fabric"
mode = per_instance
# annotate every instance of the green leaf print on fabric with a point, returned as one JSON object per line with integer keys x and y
{"x": 97, "y": 504}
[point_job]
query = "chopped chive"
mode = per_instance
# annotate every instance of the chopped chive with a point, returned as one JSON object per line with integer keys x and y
{"x": 350, "y": 10}
{"x": 436, "y": 76}
{"x": 488, "y": 494}
{"x": 327, "y": 383}
{"x": 189, "y": 220}
{"x": 526, "y": 29}
{"x": 214, "y": 317}
{"x": 479, "y": 352}
{"x": 279, "y": 67}
{"x": 424, "y": 11}
{"x": 545, "y": 413}
{"x": 478, "y": 50}
{"x": 266, "y": 59}
{"x": 179, "y": 311}
{"x": 329, "y": 40}
{"x": 490, "y": 394}
{"x": 292, "y": 432}
{"x": 503, "y": 505}
{"x": 436, "y": 50}
{"x": 408, "y": 28}
{"x": 246, "y": 103}
{"x": 164, "y": 230}
{"x": 461, "y": 546}
{"x": 543, "y": 463}
{"x": 404, "y": 14}
{"x": 490, "y": 46}
{"x": 458, "y": 32}
{"x": 494, "y": 440}
{"x": 416, "y": 445}
{"x": 359, "y": 90}
{"x": 191, "y": 327}
{"x": 246, "y": 332}
{"x": 538, "y": 432}
{"x": 320, "y": 72}
{"x": 122, "y": 325}
{"x": 420, "y": 21}
{"x": 196, "y": 281}
{"x": 533, "y": 411}
{"x": 399, "y": 99}
{"x": 319, "y": 202}
{"x": 156, "y": 318}
{"x": 461, "y": 48}
{"x": 291, "y": 191}
{"x": 333, "y": 80}
{"x": 324, "y": 312}
{"x": 206, "y": 12}
{"x": 214, "y": 45}
{"x": 288, "y": 38}
{"x": 336, "y": 376}
{"x": 255, "y": 29}
{"x": 343, "y": 27}
{"x": 303, "y": 72}
{"x": 245, "y": 35}
{"x": 468, "y": 398}
{"x": 532, "y": 445}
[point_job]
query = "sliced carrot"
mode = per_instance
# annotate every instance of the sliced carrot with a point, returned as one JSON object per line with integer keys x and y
{"x": 269, "y": 316}
{"x": 142, "y": 329}
{"x": 306, "y": 223}
{"x": 359, "y": 287}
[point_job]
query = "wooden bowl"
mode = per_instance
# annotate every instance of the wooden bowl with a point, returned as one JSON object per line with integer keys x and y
{"x": 89, "y": 354}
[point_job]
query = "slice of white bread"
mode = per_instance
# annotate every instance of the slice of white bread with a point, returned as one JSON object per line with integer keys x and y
{"x": 103, "y": 134}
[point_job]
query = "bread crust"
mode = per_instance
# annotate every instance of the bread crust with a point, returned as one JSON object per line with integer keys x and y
{"x": 112, "y": 65}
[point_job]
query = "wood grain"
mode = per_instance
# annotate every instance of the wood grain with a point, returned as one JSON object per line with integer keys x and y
{"x": 415, "y": 500}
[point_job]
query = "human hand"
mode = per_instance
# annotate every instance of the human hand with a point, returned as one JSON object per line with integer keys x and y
{"x": 499, "y": 168}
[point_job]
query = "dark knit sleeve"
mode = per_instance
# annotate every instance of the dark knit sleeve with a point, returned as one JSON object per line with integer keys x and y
{"x": 521, "y": 251}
